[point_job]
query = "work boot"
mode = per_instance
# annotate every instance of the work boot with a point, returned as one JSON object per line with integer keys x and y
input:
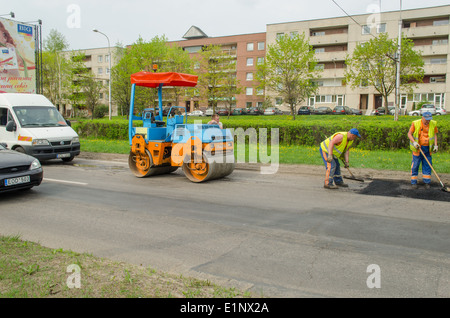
{"x": 342, "y": 184}
{"x": 414, "y": 186}
{"x": 427, "y": 186}
{"x": 330, "y": 186}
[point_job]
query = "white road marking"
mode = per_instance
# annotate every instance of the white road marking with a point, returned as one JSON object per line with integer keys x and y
{"x": 65, "y": 181}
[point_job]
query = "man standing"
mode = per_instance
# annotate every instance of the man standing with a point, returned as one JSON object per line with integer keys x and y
{"x": 332, "y": 149}
{"x": 423, "y": 135}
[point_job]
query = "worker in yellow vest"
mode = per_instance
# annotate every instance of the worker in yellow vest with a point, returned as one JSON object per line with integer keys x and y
{"x": 423, "y": 135}
{"x": 332, "y": 149}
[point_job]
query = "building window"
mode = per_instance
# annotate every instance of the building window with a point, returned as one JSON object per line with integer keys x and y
{"x": 259, "y": 104}
{"x": 100, "y": 58}
{"x": 317, "y": 33}
{"x": 437, "y": 79}
{"x": 320, "y": 50}
{"x": 107, "y": 70}
{"x": 440, "y": 22}
{"x": 100, "y": 71}
{"x": 249, "y": 91}
{"x": 249, "y": 46}
{"x": 365, "y": 29}
{"x": 100, "y": 96}
{"x": 381, "y": 28}
{"x": 193, "y": 49}
{"x": 106, "y": 58}
{"x": 440, "y": 42}
{"x": 259, "y": 91}
{"x": 293, "y": 33}
{"x": 261, "y": 46}
{"x": 278, "y": 101}
{"x": 279, "y": 35}
{"x": 260, "y": 60}
{"x": 250, "y": 61}
{"x": 249, "y": 77}
{"x": 319, "y": 66}
{"x": 249, "y": 104}
{"x": 438, "y": 60}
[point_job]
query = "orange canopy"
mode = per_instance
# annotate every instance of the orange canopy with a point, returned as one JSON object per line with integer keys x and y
{"x": 150, "y": 79}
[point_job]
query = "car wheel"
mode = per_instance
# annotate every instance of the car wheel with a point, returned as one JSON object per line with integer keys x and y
{"x": 415, "y": 114}
{"x": 20, "y": 149}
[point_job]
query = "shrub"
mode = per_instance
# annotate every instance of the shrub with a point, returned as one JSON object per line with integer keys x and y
{"x": 378, "y": 132}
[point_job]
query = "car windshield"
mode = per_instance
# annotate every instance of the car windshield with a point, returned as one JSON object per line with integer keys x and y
{"x": 2, "y": 148}
{"x": 39, "y": 116}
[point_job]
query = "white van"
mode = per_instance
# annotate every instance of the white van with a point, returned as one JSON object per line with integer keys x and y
{"x": 31, "y": 124}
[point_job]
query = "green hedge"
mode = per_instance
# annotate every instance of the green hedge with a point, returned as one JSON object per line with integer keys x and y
{"x": 378, "y": 133}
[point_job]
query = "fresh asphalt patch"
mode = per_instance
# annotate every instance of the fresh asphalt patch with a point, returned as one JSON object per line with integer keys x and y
{"x": 402, "y": 188}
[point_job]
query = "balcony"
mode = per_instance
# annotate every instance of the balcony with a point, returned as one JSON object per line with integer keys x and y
{"x": 328, "y": 39}
{"x": 425, "y": 31}
{"x": 432, "y": 49}
{"x": 433, "y": 69}
{"x": 330, "y": 56}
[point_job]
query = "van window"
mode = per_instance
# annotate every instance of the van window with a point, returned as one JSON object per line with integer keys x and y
{"x": 5, "y": 116}
{"x": 39, "y": 116}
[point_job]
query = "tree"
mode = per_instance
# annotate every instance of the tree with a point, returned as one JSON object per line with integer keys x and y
{"x": 56, "y": 68}
{"x": 141, "y": 56}
{"x": 215, "y": 80}
{"x": 373, "y": 63}
{"x": 289, "y": 70}
{"x": 91, "y": 89}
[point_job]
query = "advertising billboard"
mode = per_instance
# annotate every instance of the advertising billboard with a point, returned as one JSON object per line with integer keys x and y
{"x": 17, "y": 57}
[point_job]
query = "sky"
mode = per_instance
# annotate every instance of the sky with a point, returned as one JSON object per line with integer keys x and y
{"x": 123, "y": 22}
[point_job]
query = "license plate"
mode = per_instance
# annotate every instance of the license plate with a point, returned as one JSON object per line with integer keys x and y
{"x": 18, "y": 180}
{"x": 63, "y": 155}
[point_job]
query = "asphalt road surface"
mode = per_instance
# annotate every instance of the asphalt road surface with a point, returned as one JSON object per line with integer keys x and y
{"x": 278, "y": 235}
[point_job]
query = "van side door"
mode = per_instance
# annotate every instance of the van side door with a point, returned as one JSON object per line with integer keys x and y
{"x": 7, "y": 137}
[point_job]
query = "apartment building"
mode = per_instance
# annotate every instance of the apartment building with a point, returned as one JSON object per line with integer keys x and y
{"x": 97, "y": 62}
{"x": 247, "y": 49}
{"x": 335, "y": 38}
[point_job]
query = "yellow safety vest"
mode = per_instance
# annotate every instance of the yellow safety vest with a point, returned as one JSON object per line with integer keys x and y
{"x": 338, "y": 150}
{"x": 431, "y": 130}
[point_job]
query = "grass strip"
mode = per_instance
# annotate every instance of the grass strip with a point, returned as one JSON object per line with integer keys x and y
{"x": 29, "y": 270}
{"x": 395, "y": 160}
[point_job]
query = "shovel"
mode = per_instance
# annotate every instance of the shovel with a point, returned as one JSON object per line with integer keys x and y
{"x": 444, "y": 188}
{"x": 352, "y": 177}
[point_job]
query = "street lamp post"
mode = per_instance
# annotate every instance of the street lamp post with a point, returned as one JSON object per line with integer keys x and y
{"x": 110, "y": 57}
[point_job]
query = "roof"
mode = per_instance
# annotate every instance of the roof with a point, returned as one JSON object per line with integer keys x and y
{"x": 194, "y": 33}
{"x": 151, "y": 79}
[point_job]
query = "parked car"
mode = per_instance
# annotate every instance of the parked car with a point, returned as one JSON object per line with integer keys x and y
{"x": 222, "y": 111}
{"x": 342, "y": 110}
{"x": 272, "y": 111}
{"x": 428, "y": 108}
{"x": 356, "y": 111}
{"x": 414, "y": 113}
{"x": 305, "y": 110}
{"x": 209, "y": 112}
{"x": 196, "y": 113}
{"x": 255, "y": 111}
{"x": 382, "y": 110}
{"x": 322, "y": 110}
{"x": 18, "y": 170}
{"x": 441, "y": 111}
{"x": 239, "y": 111}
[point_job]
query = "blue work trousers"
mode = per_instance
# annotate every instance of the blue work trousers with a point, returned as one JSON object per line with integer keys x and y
{"x": 333, "y": 172}
{"x": 426, "y": 169}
